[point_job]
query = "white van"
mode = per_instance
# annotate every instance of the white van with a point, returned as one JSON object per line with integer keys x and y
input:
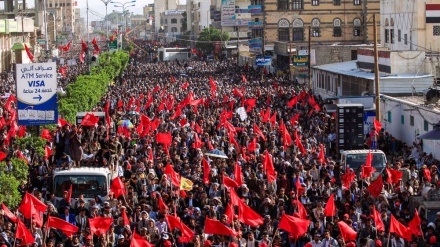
{"x": 89, "y": 181}
{"x": 354, "y": 159}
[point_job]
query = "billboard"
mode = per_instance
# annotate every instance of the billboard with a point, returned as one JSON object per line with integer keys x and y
{"x": 36, "y": 94}
{"x": 263, "y": 60}
{"x": 227, "y": 12}
{"x": 255, "y": 25}
{"x": 300, "y": 60}
{"x": 255, "y": 43}
{"x": 254, "y": 9}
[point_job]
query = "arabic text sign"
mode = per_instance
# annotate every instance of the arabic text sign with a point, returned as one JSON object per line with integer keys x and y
{"x": 300, "y": 60}
{"x": 36, "y": 93}
{"x": 255, "y": 25}
{"x": 263, "y": 60}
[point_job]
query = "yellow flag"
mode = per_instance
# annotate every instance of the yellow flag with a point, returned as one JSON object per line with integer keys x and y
{"x": 186, "y": 184}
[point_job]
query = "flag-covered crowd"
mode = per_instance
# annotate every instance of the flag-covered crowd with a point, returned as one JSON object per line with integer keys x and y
{"x": 272, "y": 178}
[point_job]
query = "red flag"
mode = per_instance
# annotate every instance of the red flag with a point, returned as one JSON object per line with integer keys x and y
{"x": 292, "y": 102}
{"x": 184, "y": 86}
{"x": 243, "y": 78}
{"x": 415, "y": 224}
{"x": 99, "y": 225}
{"x": 2, "y": 155}
{"x": 347, "y": 233}
{"x": 138, "y": 241}
{"x": 427, "y": 174}
{"x": 206, "y": 171}
{"x": 294, "y": 119}
{"x": 249, "y": 216}
{"x": 21, "y": 131}
{"x": 377, "y": 125}
{"x": 380, "y": 226}
{"x": 399, "y": 229}
{"x": 230, "y": 213}
{"x": 175, "y": 177}
{"x": 348, "y": 178}
{"x": 321, "y": 156}
{"x": 369, "y": 159}
{"x": 62, "y": 225}
{"x": 265, "y": 71}
{"x": 89, "y": 120}
{"x": 112, "y": 38}
{"x": 164, "y": 138}
{"x": 29, "y": 53}
{"x": 252, "y": 146}
{"x": 228, "y": 182}
{"x": 9, "y": 214}
{"x": 237, "y": 93}
{"x": 259, "y": 132}
{"x": 117, "y": 187}
{"x": 174, "y": 222}
{"x": 301, "y": 209}
{"x": 330, "y": 207}
{"x": 94, "y": 42}
{"x": 293, "y": 225}
{"x": 162, "y": 205}
{"x": 216, "y": 227}
{"x": 69, "y": 194}
{"x": 24, "y": 234}
{"x": 375, "y": 188}
{"x": 273, "y": 119}
{"x": 367, "y": 171}
{"x": 47, "y": 152}
{"x": 251, "y": 104}
{"x": 45, "y": 134}
{"x": 266, "y": 115}
{"x": 125, "y": 217}
{"x": 268, "y": 166}
{"x": 393, "y": 176}
{"x": 238, "y": 174}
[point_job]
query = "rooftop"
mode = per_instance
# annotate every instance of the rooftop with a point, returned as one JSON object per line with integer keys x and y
{"x": 349, "y": 68}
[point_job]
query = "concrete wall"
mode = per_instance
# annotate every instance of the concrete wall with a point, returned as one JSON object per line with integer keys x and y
{"x": 408, "y": 62}
{"x": 406, "y": 131}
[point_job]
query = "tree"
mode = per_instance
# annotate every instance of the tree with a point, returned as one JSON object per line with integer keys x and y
{"x": 11, "y": 181}
{"x": 206, "y": 39}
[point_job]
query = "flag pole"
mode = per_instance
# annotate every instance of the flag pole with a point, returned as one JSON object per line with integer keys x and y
{"x": 388, "y": 242}
{"x": 273, "y": 237}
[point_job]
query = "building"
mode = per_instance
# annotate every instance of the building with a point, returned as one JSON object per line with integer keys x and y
{"x": 63, "y": 12}
{"x": 79, "y": 23}
{"x": 398, "y": 75}
{"x": 160, "y": 6}
{"x": 412, "y": 25}
{"x": 198, "y": 16}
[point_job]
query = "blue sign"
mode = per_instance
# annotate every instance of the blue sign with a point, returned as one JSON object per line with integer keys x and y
{"x": 255, "y": 43}
{"x": 255, "y": 25}
{"x": 263, "y": 60}
{"x": 254, "y": 8}
{"x": 36, "y": 94}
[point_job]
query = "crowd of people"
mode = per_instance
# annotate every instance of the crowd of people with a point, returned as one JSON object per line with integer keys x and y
{"x": 195, "y": 102}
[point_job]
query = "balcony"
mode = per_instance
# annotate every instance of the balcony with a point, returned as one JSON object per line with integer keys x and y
{"x": 243, "y": 35}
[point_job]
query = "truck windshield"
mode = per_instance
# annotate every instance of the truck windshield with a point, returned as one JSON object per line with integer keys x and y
{"x": 355, "y": 161}
{"x": 89, "y": 185}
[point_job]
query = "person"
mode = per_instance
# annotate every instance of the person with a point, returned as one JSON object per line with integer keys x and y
{"x": 76, "y": 146}
{"x": 65, "y": 162}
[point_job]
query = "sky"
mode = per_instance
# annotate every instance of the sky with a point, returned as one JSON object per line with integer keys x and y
{"x": 97, "y": 8}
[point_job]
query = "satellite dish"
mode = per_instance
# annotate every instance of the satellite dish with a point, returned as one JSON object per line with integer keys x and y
{"x": 364, "y": 93}
{"x": 432, "y": 96}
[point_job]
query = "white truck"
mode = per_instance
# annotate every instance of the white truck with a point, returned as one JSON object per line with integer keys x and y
{"x": 354, "y": 159}
{"x": 89, "y": 181}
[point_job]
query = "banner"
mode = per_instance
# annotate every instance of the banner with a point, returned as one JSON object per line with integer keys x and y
{"x": 255, "y": 43}
{"x": 263, "y": 60}
{"x": 254, "y": 9}
{"x": 255, "y": 25}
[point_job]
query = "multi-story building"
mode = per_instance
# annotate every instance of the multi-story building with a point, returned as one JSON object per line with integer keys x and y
{"x": 63, "y": 12}
{"x": 160, "y": 6}
{"x": 198, "y": 16}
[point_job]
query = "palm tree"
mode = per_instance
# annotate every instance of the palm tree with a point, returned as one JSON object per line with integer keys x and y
{"x": 206, "y": 38}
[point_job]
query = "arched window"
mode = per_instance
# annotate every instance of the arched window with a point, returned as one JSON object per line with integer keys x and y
{"x": 173, "y": 21}
{"x": 315, "y": 27}
{"x": 337, "y": 30}
{"x": 357, "y": 27}
{"x": 174, "y": 29}
{"x": 298, "y": 30}
{"x": 283, "y": 30}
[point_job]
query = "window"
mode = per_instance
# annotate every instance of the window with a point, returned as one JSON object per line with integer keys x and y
{"x": 389, "y": 117}
{"x": 402, "y": 119}
{"x": 68, "y": 4}
{"x": 357, "y": 2}
{"x": 297, "y": 4}
{"x": 337, "y": 31}
{"x": 315, "y": 2}
{"x": 315, "y": 28}
{"x": 436, "y": 30}
{"x": 425, "y": 125}
{"x": 283, "y": 4}
{"x": 405, "y": 39}
{"x": 357, "y": 27}
{"x": 283, "y": 30}
{"x": 298, "y": 30}
{"x": 283, "y": 34}
{"x": 392, "y": 36}
{"x": 173, "y": 21}
{"x": 411, "y": 120}
{"x": 257, "y": 33}
{"x": 387, "y": 35}
{"x": 336, "y": 2}
{"x": 174, "y": 29}
{"x": 399, "y": 35}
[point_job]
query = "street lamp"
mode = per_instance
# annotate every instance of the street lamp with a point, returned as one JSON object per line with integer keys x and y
{"x": 123, "y": 12}
{"x": 106, "y": 2}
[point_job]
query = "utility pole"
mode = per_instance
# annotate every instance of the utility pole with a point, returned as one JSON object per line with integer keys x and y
{"x": 238, "y": 39}
{"x": 45, "y": 30}
{"x": 263, "y": 9}
{"x": 310, "y": 64}
{"x": 376, "y": 70}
